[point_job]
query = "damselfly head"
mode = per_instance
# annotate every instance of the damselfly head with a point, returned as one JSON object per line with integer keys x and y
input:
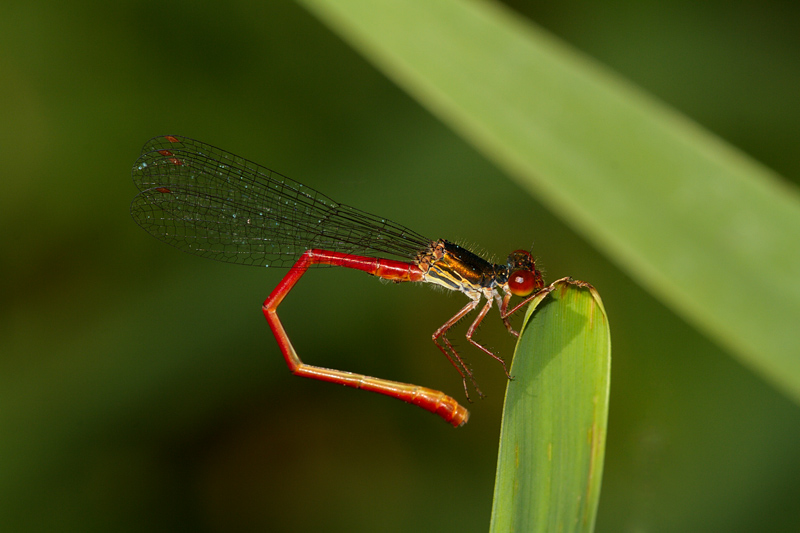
{"x": 523, "y": 278}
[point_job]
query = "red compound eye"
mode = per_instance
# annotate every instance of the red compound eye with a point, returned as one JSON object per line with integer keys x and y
{"x": 522, "y": 282}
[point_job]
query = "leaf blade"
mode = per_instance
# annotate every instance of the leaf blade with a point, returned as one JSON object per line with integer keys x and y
{"x": 552, "y": 445}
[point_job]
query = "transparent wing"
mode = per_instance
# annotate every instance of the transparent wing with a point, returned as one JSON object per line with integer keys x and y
{"x": 211, "y": 203}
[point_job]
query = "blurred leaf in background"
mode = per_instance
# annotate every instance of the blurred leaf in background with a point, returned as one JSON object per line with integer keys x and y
{"x": 140, "y": 388}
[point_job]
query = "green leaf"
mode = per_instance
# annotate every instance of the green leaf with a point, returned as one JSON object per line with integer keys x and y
{"x": 552, "y": 442}
{"x": 687, "y": 216}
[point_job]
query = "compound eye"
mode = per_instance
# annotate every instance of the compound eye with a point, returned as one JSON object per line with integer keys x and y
{"x": 521, "y": 282}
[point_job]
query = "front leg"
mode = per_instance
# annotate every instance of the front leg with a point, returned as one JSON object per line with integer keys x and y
{"x": 505, "y": 313}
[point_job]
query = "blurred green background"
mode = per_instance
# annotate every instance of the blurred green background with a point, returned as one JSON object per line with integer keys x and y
{"x": 141, "y": 388}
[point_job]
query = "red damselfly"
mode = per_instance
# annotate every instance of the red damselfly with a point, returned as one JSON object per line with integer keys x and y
{"x": 211, "y": 203}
